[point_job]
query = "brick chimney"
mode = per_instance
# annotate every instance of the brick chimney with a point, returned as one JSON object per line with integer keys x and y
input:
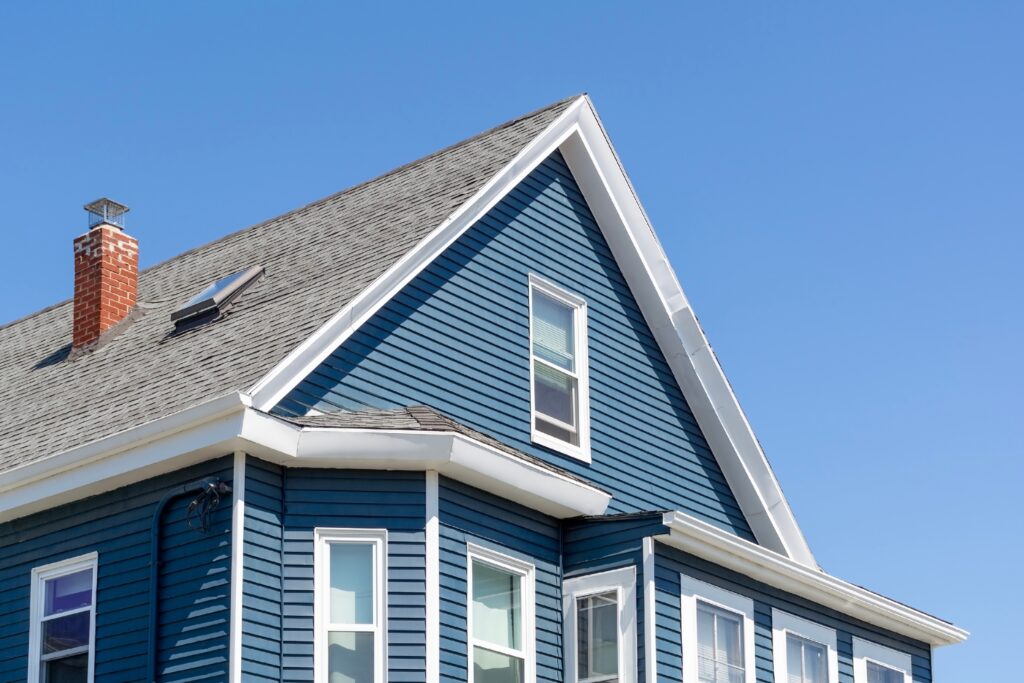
{"x": 106, "y": 273}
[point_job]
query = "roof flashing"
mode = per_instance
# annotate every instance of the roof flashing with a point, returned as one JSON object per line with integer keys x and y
{"x": 211, "y": 302}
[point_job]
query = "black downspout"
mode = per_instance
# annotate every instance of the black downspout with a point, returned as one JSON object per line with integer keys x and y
{"x": 154, "y": 560}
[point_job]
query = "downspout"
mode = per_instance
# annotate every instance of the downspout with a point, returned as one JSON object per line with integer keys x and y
{"x": 154, "y": 559}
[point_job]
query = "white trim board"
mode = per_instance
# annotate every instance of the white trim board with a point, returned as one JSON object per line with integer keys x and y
{"x": 726, "y": 550}
{"x": 432, "y": 559}
{"x": 237, "y": 566}
{"x": 578, "y": 134}
{"x": 784, "y": 624}
{"x": 227, "y": 424}
{"x": 693, "y": 591}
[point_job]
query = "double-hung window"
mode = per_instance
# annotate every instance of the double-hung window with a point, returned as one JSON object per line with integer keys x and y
{"x": 600, "y": 623}
{"x": 803, "y": 651}
{"x": 558, "y": 369}
{"x": 500, "y": 616}
{"x": 874, "y": 663}
{"x": 350, "y": 570}
{"x": 63, "y": 621}
{"x": 718, "y": 634}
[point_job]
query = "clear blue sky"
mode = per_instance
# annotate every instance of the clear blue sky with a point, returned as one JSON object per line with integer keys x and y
{"x": 840, "y": 189}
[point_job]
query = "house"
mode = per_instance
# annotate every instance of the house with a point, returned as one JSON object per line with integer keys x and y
{"x": 457, "y": 423}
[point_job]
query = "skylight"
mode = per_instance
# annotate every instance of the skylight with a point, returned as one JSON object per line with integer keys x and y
{"x": 214, "y": 299}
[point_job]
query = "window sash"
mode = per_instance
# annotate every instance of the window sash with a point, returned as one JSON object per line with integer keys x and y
{"x": 718, "y": 615}
{"x": 324, "y": 540}
{"x": 525, "y": 652}
{"x": 41, "y": 577}
{"x": 588, "y": 640}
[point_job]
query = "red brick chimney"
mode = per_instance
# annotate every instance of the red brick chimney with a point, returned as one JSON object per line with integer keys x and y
{"x": 106, "y": 273}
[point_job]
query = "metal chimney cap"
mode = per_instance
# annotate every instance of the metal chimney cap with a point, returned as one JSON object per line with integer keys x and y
{"x": 105, "y": 210}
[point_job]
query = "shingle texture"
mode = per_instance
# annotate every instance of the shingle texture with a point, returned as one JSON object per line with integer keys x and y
{"x": 317, "y": 259}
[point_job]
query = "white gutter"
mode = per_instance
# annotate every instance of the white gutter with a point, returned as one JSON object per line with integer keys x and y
{"x": 726, "y": 550}
{"x": 227, "y": 424}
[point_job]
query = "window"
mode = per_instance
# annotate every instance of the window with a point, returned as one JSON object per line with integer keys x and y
{"x": 63, "y": 621}
{"x": 600, "y": 623}
{"x": 350, "y": 570}
{"x": 558, "y": 369}
{"x": 215, "y": 298}
{"x": 718, "y": 634}
{"x": 804, "y": 652}
{"x": 873, "y": 663}
{"x": 500, "y": 616}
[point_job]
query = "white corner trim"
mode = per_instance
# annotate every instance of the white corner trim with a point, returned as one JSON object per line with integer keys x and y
{"x": 227, "y": 424}
{"x": 528, "y": 595}
{"x": 433, "y": 571}
{"x": 36, "y": 596}
{"x": 269, "y": 390}
{"x": 726, "y": 550}
{"x": 865, "y": 651}
{"x": 323, "y": 537}
{"x": 693, "y": 591}
{"x": 783, "y": 624}
{"x": 623, "y": 582}
{"x": 578, "y": 134}
{"x": 650, "y": 614}
{"x": 237, "y": 566}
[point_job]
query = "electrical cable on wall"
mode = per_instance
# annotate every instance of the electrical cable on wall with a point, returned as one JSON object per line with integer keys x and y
{"x": 197, "y": 517}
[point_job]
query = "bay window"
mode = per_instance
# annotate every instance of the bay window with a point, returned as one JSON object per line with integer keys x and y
{"x": 558, "y": 369}
{"x": 62, "y": 639}
{"x": 500, "y": 618}
{"x": 350, "y": 569}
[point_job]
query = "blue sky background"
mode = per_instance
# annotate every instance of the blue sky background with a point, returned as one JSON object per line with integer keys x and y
{"x": 840, "y": 189}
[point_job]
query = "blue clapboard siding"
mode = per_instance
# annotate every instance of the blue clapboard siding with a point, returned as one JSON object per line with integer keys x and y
{"x": 194, "y": 580}
{"x": 262, "y": 570}
{"x": 457, "y": 338}
{"x": 364, "y": 500}
{"x": 595, "y": 545}
{"x": 670, "y": 563}
{"x": 468, "y": 515}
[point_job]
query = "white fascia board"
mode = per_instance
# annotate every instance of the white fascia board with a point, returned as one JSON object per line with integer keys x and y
{"x": 653, "y": 282}
{"x": 302, "y": 360}
{"x": 726, "y": 550}
{"x": 578, "y": 134}
{"x": 227, "y": 424}
{"x": 178, "y": 440}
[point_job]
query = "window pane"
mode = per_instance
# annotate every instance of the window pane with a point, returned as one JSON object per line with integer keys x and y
{"x": 65, "y": 633}
{"x": 794, "y": 660}
{"x": 553, "y": 338}
{"x": 730, "y": 640}
{"x": 705, "y": 645}
{"x": 815, "y": 670}
{"x": 64, "y": 593}
{"x": 554, "y": 394}
{"x": 883, "y": 674}
{"x": 597, "y": 636}
{"x": 350, "y": 657}
{"x": 351, "y": 583}
{"x": 67, "y": 670}
{"x": 497, "y": 606}
{"x": 492, "y": 667}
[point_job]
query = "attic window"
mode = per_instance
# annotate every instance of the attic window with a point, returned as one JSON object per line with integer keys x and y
{"x": 212, "y": 301}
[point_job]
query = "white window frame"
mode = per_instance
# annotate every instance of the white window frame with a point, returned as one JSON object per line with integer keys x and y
{"x": 691, "y": 592}
{"x": 527, "y": 591}
{"x": 581, "y": 374}
{"x": 623, "y": 583}
{"x": 42, "y": 574}
{"x": 322, "y": 539}
{"x": 865, "y": 651}
{"x": 784, "y": 624}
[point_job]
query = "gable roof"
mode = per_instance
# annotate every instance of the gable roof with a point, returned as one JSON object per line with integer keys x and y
{"x": 317, "y": 258}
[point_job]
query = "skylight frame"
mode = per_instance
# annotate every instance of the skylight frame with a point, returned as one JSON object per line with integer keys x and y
{"x": 218, "y": 300}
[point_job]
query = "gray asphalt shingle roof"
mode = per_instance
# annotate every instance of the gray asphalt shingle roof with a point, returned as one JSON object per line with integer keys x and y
{"x": 317, "y": 258}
